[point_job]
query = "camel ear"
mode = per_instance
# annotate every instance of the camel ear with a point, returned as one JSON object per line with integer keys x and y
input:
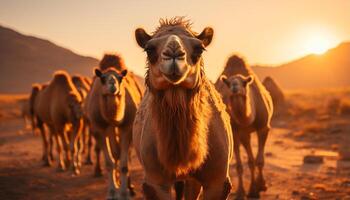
{"x": 248, "y": 80}
{"x": 206, "y": 36}
{"x": 124, "y": 72}
{"x": 223, "y": 78}
{"x": 142, "y": 37}
{"x": 98, "y": 72}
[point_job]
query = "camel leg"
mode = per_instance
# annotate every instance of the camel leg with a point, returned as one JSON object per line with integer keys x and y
{"x": 110, "y": 165}
{"x": 260, "y": 160}
{"x": 84, "y": 137}
{"x": 217, "y": 191}
{"x": 245, "y": 140}
{"x": 32, "y": 121}
{"x": 51, "y": 146}
{"x": 98, "y": 170}
{"x": 61, "y": 163}
{"x": 88, "y": 146}
{"x": 75, "y": 147}
{"x": 156, "y": 192}
{"x": 66, "y": 146}
{"x": 45, "y": 143}
{"x": 125, "y": 141}
{"x": 179, "y": 187}
{"x": 192, "y": 190}
{"x": 240, "y": 193}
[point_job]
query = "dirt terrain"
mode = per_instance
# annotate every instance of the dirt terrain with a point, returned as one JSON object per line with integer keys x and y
{"x": 315, "y": 125}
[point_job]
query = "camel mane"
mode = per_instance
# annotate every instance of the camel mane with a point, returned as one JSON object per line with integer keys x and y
{"x": 179, "y": 21}
{"x": 112, "y": 60}
{"x": 180, "y": 120}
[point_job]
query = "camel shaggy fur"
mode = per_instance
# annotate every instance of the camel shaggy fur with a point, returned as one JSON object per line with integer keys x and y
{"x": 111, "y": 108}
{"x": 181, "y": 131}
{"x": 250, "y": 107}
{"x": 59, "y": 107}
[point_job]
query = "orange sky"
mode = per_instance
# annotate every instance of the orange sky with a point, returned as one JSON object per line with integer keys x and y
{"x": 264, "y": 32}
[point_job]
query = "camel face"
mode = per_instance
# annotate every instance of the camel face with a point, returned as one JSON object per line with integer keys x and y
{"x": 174, "y": 55}
{"x": 238, "y": 84}
{"x": 111, "y": 81}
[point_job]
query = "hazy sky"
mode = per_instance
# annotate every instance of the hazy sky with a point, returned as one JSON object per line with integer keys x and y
{"x": 263, "y": 31}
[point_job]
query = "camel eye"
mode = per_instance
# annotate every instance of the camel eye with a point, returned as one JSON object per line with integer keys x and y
{"x": 197, "y": 52}
{"x": 151, "y": 53}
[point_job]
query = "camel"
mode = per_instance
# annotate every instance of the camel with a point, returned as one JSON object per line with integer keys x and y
{"x": 47, "y": 139}
{"x": 276, "y": 93}
{"x": 181, "y": 131}
{"x": 250, "y": 107}
{"x": 83, "y": 85}
{"x": 111, "y": 107}
{"x": 59, "y": 107}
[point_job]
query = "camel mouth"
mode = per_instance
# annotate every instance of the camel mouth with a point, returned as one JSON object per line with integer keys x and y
{"x": 174, "y": 78}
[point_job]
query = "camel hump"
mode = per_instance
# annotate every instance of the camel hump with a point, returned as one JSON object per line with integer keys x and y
{"x": 61, "y": 77}
{"x": 112, "y": 60}
{"x": 236, "y": 65}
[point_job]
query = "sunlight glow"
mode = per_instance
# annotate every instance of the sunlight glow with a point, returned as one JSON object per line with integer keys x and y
{"x": 318, "y": 43}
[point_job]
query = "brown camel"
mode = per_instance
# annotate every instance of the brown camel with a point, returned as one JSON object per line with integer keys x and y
{"x": 111, "y": 108}
{"x": 111, "y": 61}
{"x": 59, "y": 107}
{"x": 276, "y": 93}
{"x": 181, "y": 131}
{"x": 83, "y": 85}
{"x": 47, "y": 139}
{"x": 250, "y": 108}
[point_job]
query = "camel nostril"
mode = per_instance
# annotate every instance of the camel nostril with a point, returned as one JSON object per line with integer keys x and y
{"x": 234, "y": 89}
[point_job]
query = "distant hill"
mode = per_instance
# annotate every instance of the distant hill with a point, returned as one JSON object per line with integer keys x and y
{"x": 329, "y": 70}
{"x": 25, "y": 60}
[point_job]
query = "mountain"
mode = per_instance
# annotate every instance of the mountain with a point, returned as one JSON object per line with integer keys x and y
{"x": 25, "y": 60}
{"x": 328, "y": 70}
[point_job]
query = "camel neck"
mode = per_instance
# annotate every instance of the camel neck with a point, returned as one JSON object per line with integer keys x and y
{"x": 113, "y": 107}
{"x": 243, "y": 109}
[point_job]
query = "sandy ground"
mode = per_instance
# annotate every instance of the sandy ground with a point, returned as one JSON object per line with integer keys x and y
{"x": 22, "y": 175}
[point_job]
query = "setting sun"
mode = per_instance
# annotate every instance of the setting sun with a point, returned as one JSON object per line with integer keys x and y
{"x": 318, "y": 43}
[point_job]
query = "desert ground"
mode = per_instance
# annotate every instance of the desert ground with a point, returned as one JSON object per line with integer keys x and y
{"x": 307, "y": 154}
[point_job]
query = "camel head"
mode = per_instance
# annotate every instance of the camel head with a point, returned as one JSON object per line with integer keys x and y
{"x": 174, "y": 53}
{"x": 111, "y": 80}
{"x": 238, "y": 84}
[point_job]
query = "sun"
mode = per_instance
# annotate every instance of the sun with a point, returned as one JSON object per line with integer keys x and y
{"x": 318, "y": 43}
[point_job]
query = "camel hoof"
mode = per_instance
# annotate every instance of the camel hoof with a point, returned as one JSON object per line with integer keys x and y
{"x": 88, "y": 162}
{"x": 112, "y": 195}
{"x": 261, "y": 185}
{"x": 253, "y": 191}
{"x": 262, "y": 188}
{"x": 60, "y": 169}
{"x": 132, "y": 192}
{"x": 254, "y": 195}
{"x": 47, "y": 163}
{"x": 98, "y": 173}
{"x": 240, "y": 195}
{"x": 76, "y": 172}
